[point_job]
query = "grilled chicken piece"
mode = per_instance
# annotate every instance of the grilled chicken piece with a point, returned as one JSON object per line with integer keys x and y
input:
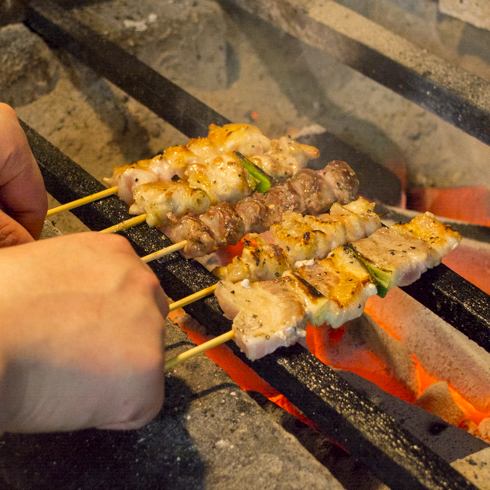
{"x": 253, "y": 212}
{"x": 259, "y": 260}
{"x": 299, "y": 238}
{"x": 344, "y": 283}
{"x": 128, "y": 177}
{"x": 244, "y": 138}
{"x": 190, "y": 226}
{"x": 162, "y": 201}
{"x": 223, "y": 179}
{"x": 265, "y": 315}
{"x": 166, "y": 167}
{"x": 312, "y": 191}
{"x": 171, "y": 165}
{"x": 303, "y": 239}
{"x": 440, "y": 238}
{"x": 400, "y": 254}
{"x": 280, "y": 199}
{"x": 403, "y": 257}
{"x": 285, "y": 157}
{"x": 224, "y": 224}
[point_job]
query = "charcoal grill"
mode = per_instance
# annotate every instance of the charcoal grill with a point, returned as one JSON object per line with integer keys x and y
{"x": 338, "y": 408}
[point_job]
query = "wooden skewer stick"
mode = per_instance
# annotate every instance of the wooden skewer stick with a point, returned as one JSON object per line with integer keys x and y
{"x": 192, "y": 297}
{"x": 164, "y": 251}
{"x": 124, "y": 225}
{"x": 83, "y": 200}
{"x": 210, "y": 344}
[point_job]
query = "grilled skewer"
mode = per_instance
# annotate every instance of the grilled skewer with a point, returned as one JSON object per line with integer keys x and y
{"x": 299, "y": 238}
{"x": 270, "y": 314}
{"x": 208, "y": 164}
{"x": 334, "y": 289}
{"x": 309, "y": 191}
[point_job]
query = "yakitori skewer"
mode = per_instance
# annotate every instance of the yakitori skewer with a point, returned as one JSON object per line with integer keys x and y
{"x": 126, "y": 224}
{"x": 206, "y": 165}
{"x": 192, "y": 297}
{"x": 164, "y": 251}
{"x": 199, "y": 349}
{"x": 82, "y": 201}
{"x": 270, "y": 314}
{"x": 309, "y": 191}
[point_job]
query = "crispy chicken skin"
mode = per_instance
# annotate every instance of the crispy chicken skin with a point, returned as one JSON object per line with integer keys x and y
{"x": 210, "y": 163}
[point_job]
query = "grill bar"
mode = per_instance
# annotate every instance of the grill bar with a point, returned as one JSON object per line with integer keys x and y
{"x": 459, "y": 97}
{"x": 456, "y": 301}
{"x": 375, "y": 438}
{"x": 186, "y": 113}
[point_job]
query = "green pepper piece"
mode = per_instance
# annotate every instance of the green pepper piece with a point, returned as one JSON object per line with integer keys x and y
{"x": 381, "y": 277}
{"x": 262, "y": 180}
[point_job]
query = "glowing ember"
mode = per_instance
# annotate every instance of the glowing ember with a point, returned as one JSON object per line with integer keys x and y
{"x": 470, "y": 204}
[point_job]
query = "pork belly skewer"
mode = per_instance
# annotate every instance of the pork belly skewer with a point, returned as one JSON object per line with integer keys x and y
{"x": 270, "y": 314}
{"x": 201, "y": 162}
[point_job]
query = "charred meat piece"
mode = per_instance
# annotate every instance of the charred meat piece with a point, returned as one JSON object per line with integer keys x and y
{"x": 224, "y": 223}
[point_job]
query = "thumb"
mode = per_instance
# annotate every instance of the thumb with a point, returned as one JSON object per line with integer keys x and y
{"x": 11, "y": 232}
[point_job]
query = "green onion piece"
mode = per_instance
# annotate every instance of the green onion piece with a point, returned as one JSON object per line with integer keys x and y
{"x": 262, "y": 180}
{"x": 381, "y": 277}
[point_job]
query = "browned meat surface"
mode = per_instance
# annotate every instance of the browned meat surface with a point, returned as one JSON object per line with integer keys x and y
{"x": 225, "y": 224}
{"x": 195, "y": 232}
{"x": 252, "y": 210}
{"x": 342, "y": 180}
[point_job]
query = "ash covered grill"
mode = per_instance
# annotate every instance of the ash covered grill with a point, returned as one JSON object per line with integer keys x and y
{"x": 399, "y": 455}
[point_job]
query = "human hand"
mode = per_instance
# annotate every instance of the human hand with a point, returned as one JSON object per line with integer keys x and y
{"x": 80, "y": 335}
{"x": 23, "y": 199}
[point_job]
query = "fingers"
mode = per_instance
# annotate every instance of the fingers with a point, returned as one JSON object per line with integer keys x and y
{"x": 11, "y": 232}
{"x": 22, "y": 191}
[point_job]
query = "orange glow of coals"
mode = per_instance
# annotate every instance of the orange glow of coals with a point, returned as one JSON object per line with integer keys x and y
{"x": 325, "y": 343}
{"x": 426, "y": 379}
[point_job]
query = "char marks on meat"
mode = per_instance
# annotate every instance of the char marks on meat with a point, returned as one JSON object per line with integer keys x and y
{"x": 225, "y": 224}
